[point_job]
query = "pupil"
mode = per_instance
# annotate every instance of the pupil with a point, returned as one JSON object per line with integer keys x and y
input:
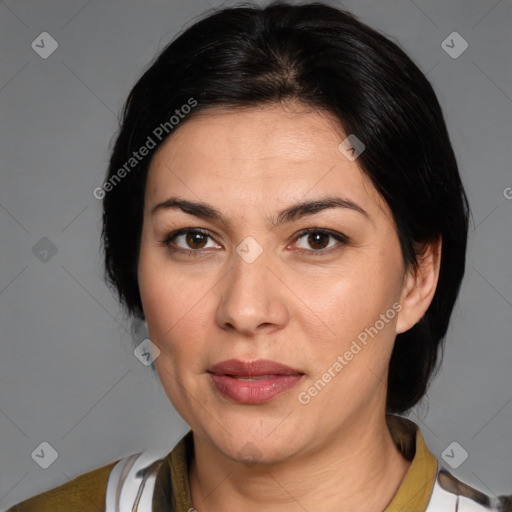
{"x": 195, "y": 238}
{"x": 314, "y": 238}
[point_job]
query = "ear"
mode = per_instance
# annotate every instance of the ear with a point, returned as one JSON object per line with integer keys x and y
{"x": 419, "y": 286}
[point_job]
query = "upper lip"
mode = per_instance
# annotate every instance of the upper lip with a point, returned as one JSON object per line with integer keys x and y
{"x": 237, "y": 368}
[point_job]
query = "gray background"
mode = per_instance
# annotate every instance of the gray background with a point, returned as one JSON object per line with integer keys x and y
{"x": 68, "y": 375}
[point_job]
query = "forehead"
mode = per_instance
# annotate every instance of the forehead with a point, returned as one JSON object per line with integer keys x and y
{"x": 258, "y": 155}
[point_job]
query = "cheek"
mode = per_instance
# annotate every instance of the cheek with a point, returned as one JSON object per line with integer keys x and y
{"x": 162, "y": 288}
{"x": 351, "y": 307}
{"x": 350, "y": 297}
{"x": 175, "y": 307}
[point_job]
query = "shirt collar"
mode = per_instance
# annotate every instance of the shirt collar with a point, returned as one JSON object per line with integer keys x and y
{"x": 416, "y": 487}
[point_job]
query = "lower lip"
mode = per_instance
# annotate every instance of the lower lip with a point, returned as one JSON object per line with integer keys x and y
{"x": 254, "y": 391}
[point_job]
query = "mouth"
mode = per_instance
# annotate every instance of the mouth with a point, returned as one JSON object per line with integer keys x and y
{"x": 253, "y": 382}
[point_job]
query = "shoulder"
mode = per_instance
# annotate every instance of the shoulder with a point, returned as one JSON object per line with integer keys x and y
{"x": 86, "y": 493}
{"x": 450, "y": 493}
{"x": 127, "y": 484}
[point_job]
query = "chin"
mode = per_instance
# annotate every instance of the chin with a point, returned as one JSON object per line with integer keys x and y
{"x": 258, "y": 451}
{"x": 258, "y": 442}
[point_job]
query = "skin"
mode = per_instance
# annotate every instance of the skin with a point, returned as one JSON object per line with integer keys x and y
{"x": 334, "y": 453}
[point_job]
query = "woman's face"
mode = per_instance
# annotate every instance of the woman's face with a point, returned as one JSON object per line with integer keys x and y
{"x": 251, "y": 286}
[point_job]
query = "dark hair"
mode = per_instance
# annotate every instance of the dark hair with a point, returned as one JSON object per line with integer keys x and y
{"x": 327, "y": 59}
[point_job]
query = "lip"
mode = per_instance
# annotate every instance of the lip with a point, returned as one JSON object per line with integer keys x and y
{"x": 258, "y": 367}
{"x": 272, "y": 379}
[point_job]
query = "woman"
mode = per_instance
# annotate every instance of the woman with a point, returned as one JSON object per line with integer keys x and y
{"x": 283, "y": 208}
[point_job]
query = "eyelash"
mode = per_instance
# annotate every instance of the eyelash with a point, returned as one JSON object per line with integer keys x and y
{"x": 343, "y": 239}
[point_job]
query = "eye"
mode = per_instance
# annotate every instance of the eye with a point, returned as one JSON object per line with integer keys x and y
{"x": 188, "y": 241}
{"x": 191, "y": 241}
{"x": 318, "y": 239}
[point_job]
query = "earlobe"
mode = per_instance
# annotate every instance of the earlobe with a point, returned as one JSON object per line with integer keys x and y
{"x": 419, "y": 286}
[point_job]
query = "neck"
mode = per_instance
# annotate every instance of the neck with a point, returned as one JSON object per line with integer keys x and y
{"x": 358, "y": 469}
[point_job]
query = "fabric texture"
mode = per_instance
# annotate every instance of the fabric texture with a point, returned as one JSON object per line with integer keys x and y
{"x": 85, "y": 493}
{"x": 150, "y": 483}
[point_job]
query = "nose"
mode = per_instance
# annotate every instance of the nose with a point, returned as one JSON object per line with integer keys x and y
{"x": 253, "y": 298}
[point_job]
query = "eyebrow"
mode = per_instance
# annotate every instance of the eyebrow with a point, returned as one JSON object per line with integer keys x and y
{"x": 294, "y": 212}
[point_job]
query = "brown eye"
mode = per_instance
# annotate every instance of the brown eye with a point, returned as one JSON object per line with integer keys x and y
{"x": 196, "y": 240}
{"x": 189, "y": 241}
{"x": 318, "y": 240}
